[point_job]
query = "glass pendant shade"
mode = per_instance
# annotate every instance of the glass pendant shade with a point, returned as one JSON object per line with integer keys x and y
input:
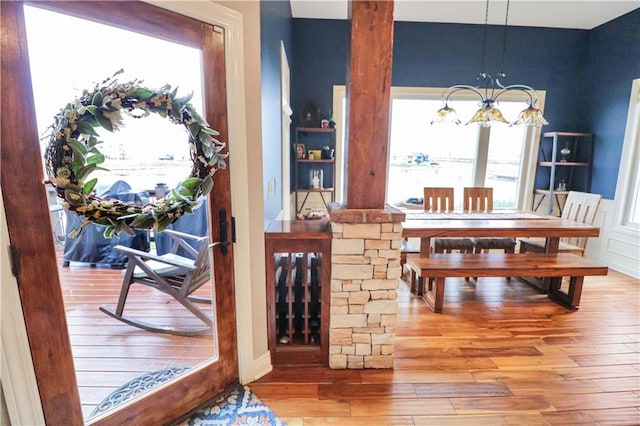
{"x": 531, "y": 117}
{"x": 487, "y": 115}
{"x": 446, "y": 115}
{"x": 490, "y": 89}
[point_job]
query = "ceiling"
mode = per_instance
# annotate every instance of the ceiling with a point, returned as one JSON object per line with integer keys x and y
{"x": 577, "y": 14}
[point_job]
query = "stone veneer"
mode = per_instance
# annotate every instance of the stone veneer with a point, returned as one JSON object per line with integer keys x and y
{"x": 365, "y": 272}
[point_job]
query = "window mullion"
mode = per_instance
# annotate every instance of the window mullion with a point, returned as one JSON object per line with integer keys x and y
{"x": 481, "y": 157}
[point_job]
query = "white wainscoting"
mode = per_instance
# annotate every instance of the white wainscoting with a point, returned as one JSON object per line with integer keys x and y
{"x": 617, "y": 247}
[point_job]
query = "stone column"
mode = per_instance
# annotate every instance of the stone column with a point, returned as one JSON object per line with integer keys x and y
{"x": 365, "y": 273}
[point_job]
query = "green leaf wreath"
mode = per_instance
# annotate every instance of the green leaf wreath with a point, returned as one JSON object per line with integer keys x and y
{"x": 72, "y": 155}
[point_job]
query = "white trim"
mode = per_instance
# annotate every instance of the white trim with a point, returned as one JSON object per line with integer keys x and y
{"x": 618, "y": 249}
{"x": 232, "y": 22}
{"x": 528, "y": 163}
{"x": 339, "y": 94}
{"x": 260, "y": 367}
{"x": 285, "y": 116}
{"x": 18, "y": 377}
{"x": 619, "y": 242}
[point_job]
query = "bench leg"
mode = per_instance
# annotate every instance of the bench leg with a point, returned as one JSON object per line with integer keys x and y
{"x": 416, "y": 283}
{"x": 570, "y": 299}
{"x": 434, "y": 294}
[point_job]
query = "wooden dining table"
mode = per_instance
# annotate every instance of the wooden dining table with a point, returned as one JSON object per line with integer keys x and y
{"x": 493, "y": 224}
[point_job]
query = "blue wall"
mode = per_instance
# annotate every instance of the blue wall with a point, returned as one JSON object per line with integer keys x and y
{"x": 275, "y": 26}
{"x": 427, "y": 54}
{"x": 319, "y": 63}
{"x": 613, "y": 60}
{"x": 562, "y": 62}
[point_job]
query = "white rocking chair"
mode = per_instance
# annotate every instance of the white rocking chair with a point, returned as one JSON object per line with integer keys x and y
{"x": 170, "y": 273}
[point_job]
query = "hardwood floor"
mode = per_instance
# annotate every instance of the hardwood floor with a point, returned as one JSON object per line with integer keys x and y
{"x": 500, "y": 354}
{"x": 108, "y": 353}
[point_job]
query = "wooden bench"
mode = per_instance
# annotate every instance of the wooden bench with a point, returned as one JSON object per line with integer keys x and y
{"x": 441, "y": 266}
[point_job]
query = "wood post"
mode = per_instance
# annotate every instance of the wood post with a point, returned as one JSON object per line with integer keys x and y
{"x": 368, "y": 97}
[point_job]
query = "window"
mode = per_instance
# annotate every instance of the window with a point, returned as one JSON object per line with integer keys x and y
{"x": 627, "y": 197}
{"x": 448, "y": 155}
{"x": 145, "y": 152}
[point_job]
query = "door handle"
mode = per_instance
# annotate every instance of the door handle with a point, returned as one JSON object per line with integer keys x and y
{"x": 223, "y": 239}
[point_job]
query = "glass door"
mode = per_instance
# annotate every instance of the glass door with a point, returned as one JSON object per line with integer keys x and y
{"x": 215, "y": 371}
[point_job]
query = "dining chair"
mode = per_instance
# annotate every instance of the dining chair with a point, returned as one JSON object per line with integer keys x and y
{"x": 580, "y": 207}
{"x": 480, "y": 199}
{"x": 477, "y": 199}
{"x": 437, "y": 200}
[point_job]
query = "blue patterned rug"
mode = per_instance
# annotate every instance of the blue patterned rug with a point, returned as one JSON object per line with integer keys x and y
{"x": 236, "y": 406}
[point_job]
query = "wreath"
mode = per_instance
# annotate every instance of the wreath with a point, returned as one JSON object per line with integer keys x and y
{"x": 72, "y": 155}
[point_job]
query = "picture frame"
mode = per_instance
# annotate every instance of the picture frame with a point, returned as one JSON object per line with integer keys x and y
{"x": 315, "y": 153}
{"x": 301, "y": 151}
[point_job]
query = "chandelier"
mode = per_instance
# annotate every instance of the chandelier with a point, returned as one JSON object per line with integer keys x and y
{"x": 489, "y": 90}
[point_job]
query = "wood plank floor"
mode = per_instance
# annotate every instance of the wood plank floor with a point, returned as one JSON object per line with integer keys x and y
{"x": 108, "y": 353}
{"x": 500, "y": 354}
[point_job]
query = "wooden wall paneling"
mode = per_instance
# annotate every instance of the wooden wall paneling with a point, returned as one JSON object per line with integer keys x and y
{"x": 368, "y": 98}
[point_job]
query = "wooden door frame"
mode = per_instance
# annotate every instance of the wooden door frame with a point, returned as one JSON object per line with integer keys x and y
{"x": 47, "y": 327}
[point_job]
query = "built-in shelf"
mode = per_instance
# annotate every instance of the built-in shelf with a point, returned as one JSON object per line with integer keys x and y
{"x": 546, "y": 192}
{"x": 314, "y": 161}
{"x": 315, "y": 130}
{"x": 315, "y": 190}
{"x": 562, "y": 164}
{"x": 308, "y": 197}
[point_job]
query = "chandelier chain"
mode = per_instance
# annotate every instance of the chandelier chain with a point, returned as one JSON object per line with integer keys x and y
{"x": 504, "y": 39}
{"x": 484, "y": 37}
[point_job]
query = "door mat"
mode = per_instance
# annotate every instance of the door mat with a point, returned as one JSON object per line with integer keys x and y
{"x": 235, "y": 406}
{"x": 137, "y": 387}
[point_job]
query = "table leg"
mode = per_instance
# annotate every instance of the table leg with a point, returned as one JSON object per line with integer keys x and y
{"x": 570, "y": 299}
{"x": 543, "y": 285}
{"x": 415, "y": 283}
{"x": 425, "y": 247}
{"x": 425, "y": 251}
{"x": 434, "y": 293}
{"x": 551, "y": 246}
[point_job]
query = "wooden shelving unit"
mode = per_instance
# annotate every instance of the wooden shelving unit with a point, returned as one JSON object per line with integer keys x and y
{"x": 559, "y": 170}
{"x": 314, "y": 138}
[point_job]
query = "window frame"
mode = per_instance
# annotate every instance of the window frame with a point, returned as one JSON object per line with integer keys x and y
{"x": 531, "y": 137}
{"x": 628, "y": 183}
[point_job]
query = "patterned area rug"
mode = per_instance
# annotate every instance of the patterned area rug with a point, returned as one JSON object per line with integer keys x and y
{"x": 237, "y": 406}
